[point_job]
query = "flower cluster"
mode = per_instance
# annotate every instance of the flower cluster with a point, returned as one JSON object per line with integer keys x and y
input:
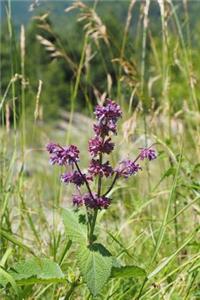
{"x": 107, "y": 116}
{"x": 99, "y": 145}
{"x": 62, "y": 155}
{"x": 73, "y": 177}
{"x": 91, "y": 201}
{"x": 148, "y": 153}
{"x": 127, "y": 168}
{"x": 102, "y": 169}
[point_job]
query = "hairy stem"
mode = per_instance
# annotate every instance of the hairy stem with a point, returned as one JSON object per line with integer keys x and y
{"x": 86, "y": 182}
{"x": 93, "y": 225}
{"x": 99, "y": 180}
{"x": 113, "y": 183}
{"x": 72, "y": 288}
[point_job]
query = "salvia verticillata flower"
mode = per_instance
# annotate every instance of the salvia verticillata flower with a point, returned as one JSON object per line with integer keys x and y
{"x": 98, "y": 145}
{"x": 51, "y": 147}
{"x": 96, "y": 202}
{"x": 77, "y": 200}
{"x": 107, "y": 116}
{"x": 127, "y": 168}
{"x": 73, "y": 177}
{"x": 91, "y": 201}
{"x": 62, "y": 155}
{"x": 109, "y": 111}
{"x": 102, "y": 169}
{"x": 103, "y": 129}
{"x": 148, "y": 153}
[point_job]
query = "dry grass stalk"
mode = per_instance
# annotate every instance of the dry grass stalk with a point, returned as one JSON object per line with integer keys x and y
{"x": 94, "y": 26}
{"x": 7, "y": 118}
{"x": 37, "y": 108}
{"x": 22, "y": 48}
{"x": 130, "y": 71}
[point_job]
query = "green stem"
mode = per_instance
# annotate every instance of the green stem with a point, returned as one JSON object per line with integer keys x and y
{"x": 113, "y": 183}
{"x": 93, "y": 226}
{"x": 99, "y": 181}
{"x": 141, "y": 289}
{"x": 72, "y": 288}
{"x": 85, "y": 180}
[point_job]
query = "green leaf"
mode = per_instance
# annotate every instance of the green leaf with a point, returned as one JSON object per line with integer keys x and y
{"x": 128, "y": 271}
{"x": 74, "y": 229}
{"x": 5, "y": 277}
{"x": 95, "y": 263}
{"x": 36, "y": 270}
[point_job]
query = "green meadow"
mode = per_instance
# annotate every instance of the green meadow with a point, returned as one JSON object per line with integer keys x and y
{"x": 58, "y": 60}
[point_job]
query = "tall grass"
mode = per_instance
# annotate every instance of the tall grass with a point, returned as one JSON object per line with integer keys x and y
{"x": 154, "y": 219}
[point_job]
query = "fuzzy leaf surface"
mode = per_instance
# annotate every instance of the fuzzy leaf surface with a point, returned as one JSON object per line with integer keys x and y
{"x": 76, "y": 231}
{"x": 128, "y": 271}
{"x": 95, "y": 263}
{"x": 36, "y": 270}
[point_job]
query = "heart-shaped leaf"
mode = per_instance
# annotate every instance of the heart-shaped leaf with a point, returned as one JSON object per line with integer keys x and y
{"x": 35, "y": 270}
{"x": 95, "y": 263}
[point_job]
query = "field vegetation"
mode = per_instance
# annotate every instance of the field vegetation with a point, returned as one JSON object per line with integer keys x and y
{"x": 61, "y": 60}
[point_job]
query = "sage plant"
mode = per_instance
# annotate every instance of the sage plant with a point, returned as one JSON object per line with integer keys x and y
{"x": 100, "y": 146}
{"x": 99, "y": 170}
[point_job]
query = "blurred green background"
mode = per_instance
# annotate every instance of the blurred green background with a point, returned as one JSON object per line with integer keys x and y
{"x": 56, "y": 64}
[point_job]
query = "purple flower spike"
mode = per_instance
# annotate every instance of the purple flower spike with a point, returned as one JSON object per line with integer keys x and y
{"x": 72, "y": 154}
{"x": 108, "y": 146}
{"x": 104, "y": 129}
{"x": 96, "y": 202}
{"x": 103, "y": 202}
{"x": 96, "y": 168}
{"x": 109, "y": 111}
{"x": 67, "y": 177}
{"x": 107, "y": 116}
{"x": 77, "y": 200}
{"x": 62, "y": 155}
{"x": 150, "y": 154}
{"x": 89, "y": 201}
{"x": 73, "y": 177}
{"x": 97, "y": 145}
{"x": 127, "y": 168}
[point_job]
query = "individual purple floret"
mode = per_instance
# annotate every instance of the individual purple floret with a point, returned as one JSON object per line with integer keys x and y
{"x": 77, "y": 200}
{"x": 98, "y": 145}
{"x": 148, "y": 153}
{"x": 62, "y": 155}
{"x": 127, "y": 168}
{"x": 96, "y": 168}
{"x": 72, "y": 154}
{"x": 57, "y": 154}
{"x": 51, "y": 147}
{"x": 96, "y": 202}
{"x": 103, "y": 202}
{"x": 103, "y": 129}
{"x": 73, "y": 177}
{"x": 95, "y": 145}
{"x": 89, "y": 200}
{"x": 109, "y": 111}
{"x": 59, "y": 157}
{"x": 108, "y": 146}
